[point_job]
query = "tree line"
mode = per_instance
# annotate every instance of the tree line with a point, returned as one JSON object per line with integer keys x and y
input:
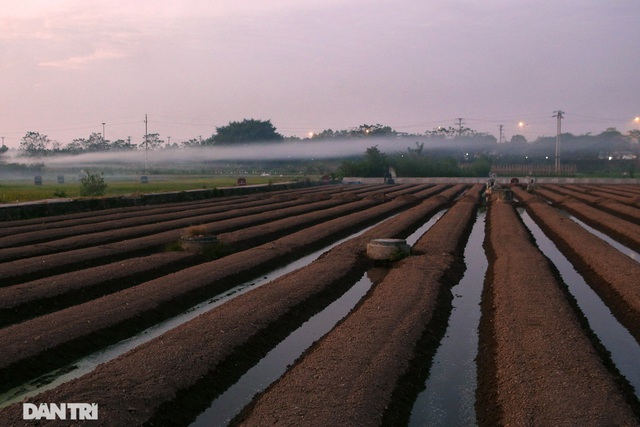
{"x": 462, "y": 143}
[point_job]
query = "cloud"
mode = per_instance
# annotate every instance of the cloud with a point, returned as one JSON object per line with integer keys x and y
{"x": 76, "y": 62}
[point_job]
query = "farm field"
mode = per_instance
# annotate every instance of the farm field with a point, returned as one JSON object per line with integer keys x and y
{"x": 503, "y": 314}
{"x": 24, "y": 190}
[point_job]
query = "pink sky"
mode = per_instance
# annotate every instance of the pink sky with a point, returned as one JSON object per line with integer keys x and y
{"x": 70, "y": 65}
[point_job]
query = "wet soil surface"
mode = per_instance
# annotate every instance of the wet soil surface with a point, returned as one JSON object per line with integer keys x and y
{"x": 538, "y": 363}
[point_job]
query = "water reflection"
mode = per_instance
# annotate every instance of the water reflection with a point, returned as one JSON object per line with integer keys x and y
{"x": 276, "y": 362}
{"x": 624, "y": 349}
{"x": 619, "y": 246}
{"x": 449, "y": 395}
{"x": 88, "y": 363}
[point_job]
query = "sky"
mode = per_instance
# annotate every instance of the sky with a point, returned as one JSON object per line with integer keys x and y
{"x": 68, "y": 66}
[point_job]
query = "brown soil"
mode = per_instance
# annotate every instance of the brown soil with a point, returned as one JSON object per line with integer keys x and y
{"x": 538, "y": 364}
{"x": 184, "y": 359}
{"x": 537, "y": 367}
{"x": 84, "y": 237}
{"x": 81, "y": 328}
{"x": 335, "y": 384}
{"x": 71, "y": 258}
{"x": 601, "y": 200}
{"x": 32, "y": 299}
{"x": 613, "y": 275}
{"x": 620, "y": 224}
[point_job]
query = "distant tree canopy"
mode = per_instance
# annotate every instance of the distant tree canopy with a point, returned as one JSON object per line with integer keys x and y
{"x": 248, "y": 130}
{"x": 374, "y": 163}
{"x": 95, "y": 143}
{"x": 34, "y": 143}
{"x": 518, "y": 139}
{"x": 152, "y": 141}
{"x": 359, "y": 132}
{"x": 451, "y": 132}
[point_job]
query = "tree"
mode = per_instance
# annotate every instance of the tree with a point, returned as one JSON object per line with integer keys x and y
{"x": 153, "y": 140}
{"x": 193, "y": 142}
{"x": 329, "y": 134}
{"x": 416, "y": 152}
{"x": 96, "y": 142}
{"x": 373, "y": 130}
{"x": 92, "y": 184}
{"x": 518, "y": 139}
{"x": 245, "y": 131}
{"x": 611, "y": 133}
{"x": 33, "y": 143}
{"x": 442, "y": 132}
{"x": 361, "y": 131}
{"x": 374, "y": 163}
{"x": 122, "y": 145}
{"x": 76, "y": 146}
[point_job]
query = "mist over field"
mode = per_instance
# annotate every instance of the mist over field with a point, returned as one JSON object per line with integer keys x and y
{"x": 238, "y": 152}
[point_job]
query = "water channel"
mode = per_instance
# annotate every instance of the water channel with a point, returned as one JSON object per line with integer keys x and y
{"x": 226, "y": 406}
{"x": 88, "y": 363}
{"x": 449, "y": 395}
{"x": 619, "y": 246}
{"x": 624, "y": 349}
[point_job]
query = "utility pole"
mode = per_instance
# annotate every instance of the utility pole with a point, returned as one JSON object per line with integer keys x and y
{"x": 460, "y": 123}
{"x": 104, "y": 138}
{"x": 559, "y": 114}
{"x": 146, "y": 143}
{"x": 500, "y": 127}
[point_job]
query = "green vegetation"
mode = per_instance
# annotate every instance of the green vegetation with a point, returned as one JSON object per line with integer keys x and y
{"x": 415, "y": 163}
{"x": 245, "y": 131}
{"x": 441, "y": 152}
{"x": 216, "y": 250}
{"x": 24, "y": 190}
{"x": 92, "y": 184}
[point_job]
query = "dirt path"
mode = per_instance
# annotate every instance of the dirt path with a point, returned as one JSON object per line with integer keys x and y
{"x": 545, "y": 369}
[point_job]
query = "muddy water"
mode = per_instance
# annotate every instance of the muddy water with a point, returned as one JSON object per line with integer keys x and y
{"x": 449, "y": 395}
{"x": 624, "y": 349}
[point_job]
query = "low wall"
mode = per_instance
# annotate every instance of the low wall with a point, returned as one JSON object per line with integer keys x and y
{"x": 40, "y": 208}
